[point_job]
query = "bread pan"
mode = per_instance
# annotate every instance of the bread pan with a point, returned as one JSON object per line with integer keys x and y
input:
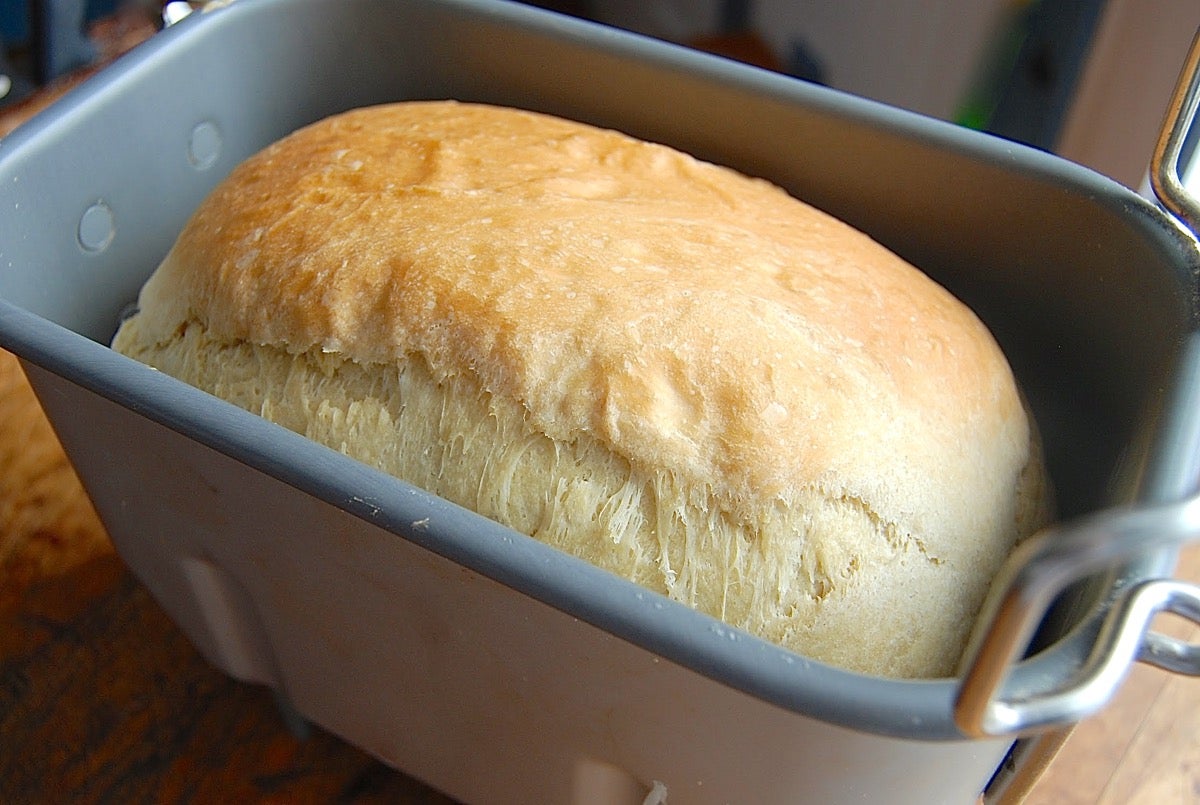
{"x": 479, "y": 660}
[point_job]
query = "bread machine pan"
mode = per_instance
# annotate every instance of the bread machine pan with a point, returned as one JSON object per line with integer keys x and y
{"x": 472, "y": 657}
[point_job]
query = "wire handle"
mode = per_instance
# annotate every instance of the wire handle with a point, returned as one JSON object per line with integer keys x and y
{"x": 1042, "y": 567}
{"x": 1181, "y": 114}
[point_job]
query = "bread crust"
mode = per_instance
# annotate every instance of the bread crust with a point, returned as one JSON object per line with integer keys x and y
{"x": 694, "y": 324}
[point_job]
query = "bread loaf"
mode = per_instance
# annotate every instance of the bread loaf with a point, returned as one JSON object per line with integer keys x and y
{"x": 676, "y": 372}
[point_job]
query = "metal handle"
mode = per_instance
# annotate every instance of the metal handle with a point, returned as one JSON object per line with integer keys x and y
{"x": 1044, "y": 565}
{"x": 1039, "y": 570}
{"x": 1164, "y": 170}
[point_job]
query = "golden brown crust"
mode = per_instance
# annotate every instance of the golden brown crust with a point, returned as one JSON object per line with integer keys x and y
{"x": 684, "y": 317}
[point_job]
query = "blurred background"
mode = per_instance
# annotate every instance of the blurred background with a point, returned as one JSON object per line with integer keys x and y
{"x": 1087, "y": 79}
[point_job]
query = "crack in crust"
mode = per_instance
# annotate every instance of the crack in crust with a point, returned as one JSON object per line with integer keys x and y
{"x": 803, "y": 573}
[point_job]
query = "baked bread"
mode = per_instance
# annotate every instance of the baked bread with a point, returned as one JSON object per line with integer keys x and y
{"x": 678, "y": 373}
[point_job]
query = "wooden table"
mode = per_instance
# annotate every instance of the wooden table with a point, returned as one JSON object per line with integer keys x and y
{"x": 102, "y": 698}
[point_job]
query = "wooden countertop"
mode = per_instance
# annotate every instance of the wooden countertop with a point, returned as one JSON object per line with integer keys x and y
{"x": 103, "y": 699}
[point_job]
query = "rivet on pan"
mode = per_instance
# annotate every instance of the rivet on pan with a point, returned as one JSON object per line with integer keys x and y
{"x": 204, "y": 145}
{"x": 96, "y": 227}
